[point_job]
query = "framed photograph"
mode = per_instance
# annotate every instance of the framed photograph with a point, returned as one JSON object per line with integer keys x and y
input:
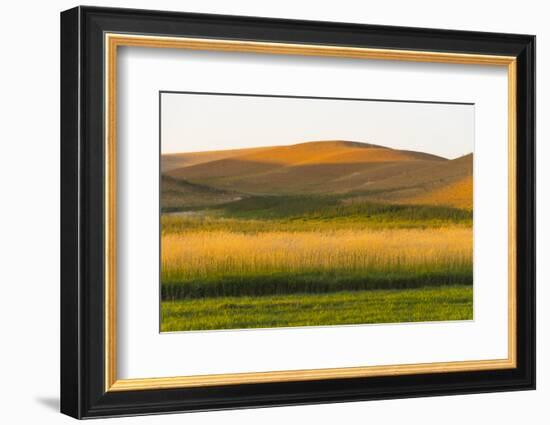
{"x": 261, "y": 212}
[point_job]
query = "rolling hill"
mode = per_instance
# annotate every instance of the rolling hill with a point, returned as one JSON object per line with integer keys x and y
{"x": 352, "y": 170}
{"x": 178, "y": 160}
{"x": 458, "y": 194}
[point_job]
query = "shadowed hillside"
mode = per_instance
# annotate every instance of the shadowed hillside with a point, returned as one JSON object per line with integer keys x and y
{"x": 180, "y": 194}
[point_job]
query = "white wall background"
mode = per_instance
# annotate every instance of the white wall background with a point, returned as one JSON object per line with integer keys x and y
{"x": 29, "y": 213}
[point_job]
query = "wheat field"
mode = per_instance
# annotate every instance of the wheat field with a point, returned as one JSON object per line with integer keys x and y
{"x": 198, "y": 264}
{"x": 191, "y": 255}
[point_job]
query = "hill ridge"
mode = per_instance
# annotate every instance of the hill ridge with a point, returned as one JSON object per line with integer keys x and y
{"x": 309, "y": 152}
{"x": 322, "y": 167}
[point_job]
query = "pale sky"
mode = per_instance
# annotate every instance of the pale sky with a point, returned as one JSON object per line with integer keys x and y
{"x": 205, "y": 122}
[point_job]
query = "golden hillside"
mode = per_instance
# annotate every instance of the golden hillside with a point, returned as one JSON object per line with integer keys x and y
{"x": 458, "y": 194}
{"x": 360, "y": 170}
{"x": 173, "y": 161}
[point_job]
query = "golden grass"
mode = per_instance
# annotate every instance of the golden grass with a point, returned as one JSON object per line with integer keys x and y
{"x": 196, "y": 254}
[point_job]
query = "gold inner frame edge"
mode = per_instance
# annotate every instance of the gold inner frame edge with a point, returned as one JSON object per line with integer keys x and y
{"x": 112, "y": 41}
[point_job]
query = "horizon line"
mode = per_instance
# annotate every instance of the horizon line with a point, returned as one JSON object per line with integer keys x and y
{"x": 315, "y": 141}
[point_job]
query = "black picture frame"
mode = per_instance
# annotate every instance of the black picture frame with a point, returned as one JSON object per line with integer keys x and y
{"x": 83, "y": 392}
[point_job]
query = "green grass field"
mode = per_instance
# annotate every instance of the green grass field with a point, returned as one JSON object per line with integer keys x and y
{"x": 263, "y": 213}
{"x": 339, "y": 308}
